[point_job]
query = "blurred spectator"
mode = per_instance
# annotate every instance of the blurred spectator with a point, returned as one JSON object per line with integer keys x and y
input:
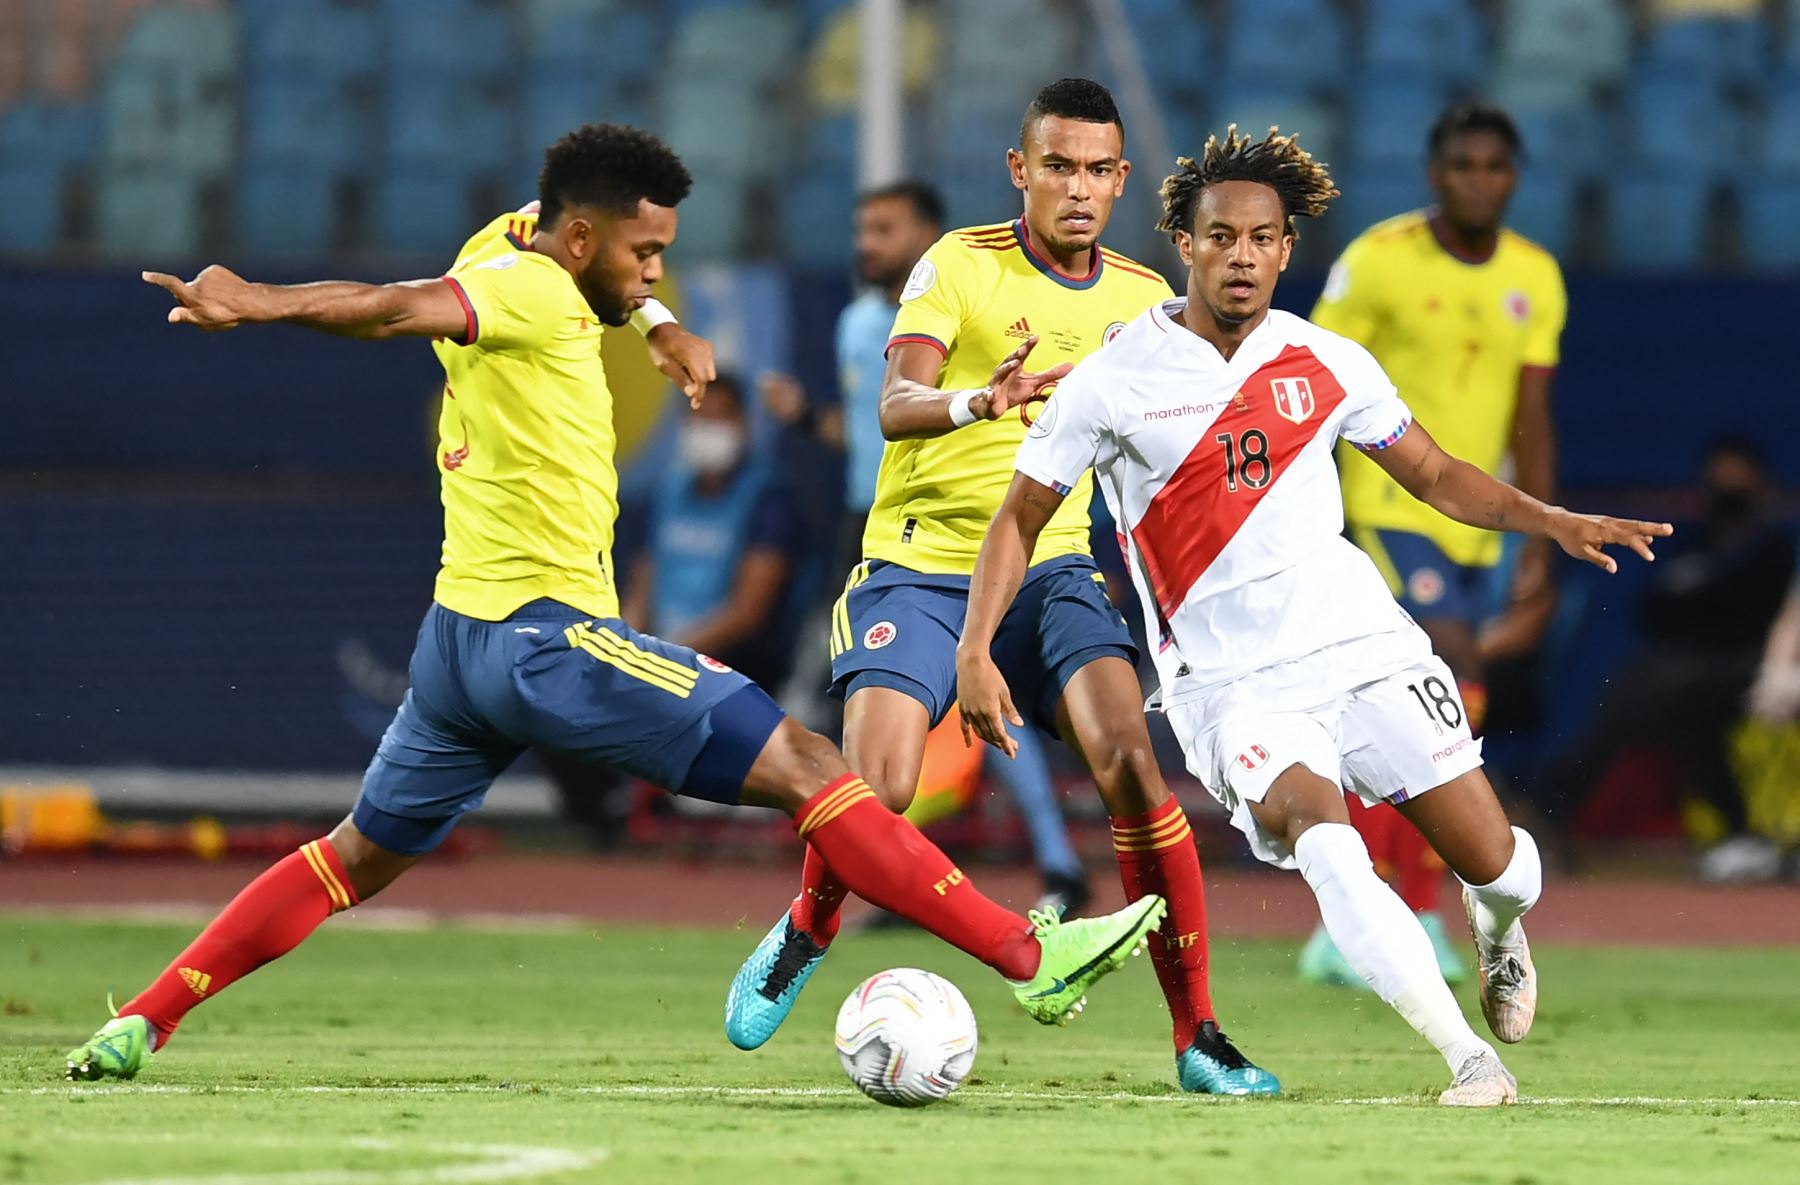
{"x": 1715, "y": 590}
{"x": 721, "y": 546}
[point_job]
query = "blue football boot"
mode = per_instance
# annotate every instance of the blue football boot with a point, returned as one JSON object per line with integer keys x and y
{"x": 1213, "y": 1065}
{"x": 766, "y": 986}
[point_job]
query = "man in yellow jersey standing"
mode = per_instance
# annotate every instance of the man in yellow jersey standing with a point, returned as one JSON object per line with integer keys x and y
{"x": 523, "y": 645}
{"x": 1039, "y": 287}
{"x": 1467, "y": 317}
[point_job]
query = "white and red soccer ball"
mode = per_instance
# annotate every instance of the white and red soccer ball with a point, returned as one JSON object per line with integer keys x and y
{"x": 906, "y": 1037}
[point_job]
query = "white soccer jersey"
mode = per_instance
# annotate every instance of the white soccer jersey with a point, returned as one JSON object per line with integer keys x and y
{"x": 1220, "y": 474}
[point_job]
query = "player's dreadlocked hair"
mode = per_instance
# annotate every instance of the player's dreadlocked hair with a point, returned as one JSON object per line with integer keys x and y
{"x": 1072, "y": 98}
{"x": 611, "y": 166}
{"x": 1277, "y": 161}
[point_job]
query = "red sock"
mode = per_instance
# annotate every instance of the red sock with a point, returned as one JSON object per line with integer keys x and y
{"x": 886, "y": 861}
{"x": 1420, "y": 870}
{"x": 820, "y": 906}
{"x": 1157, "y": 855}
{"x": 267, "y": 919}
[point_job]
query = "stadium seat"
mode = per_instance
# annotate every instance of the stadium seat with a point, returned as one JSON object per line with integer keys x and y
{"x": 829, "y": 141}
{"x": 299, "y": 117}
{"x": 333, "y": 42}
{"x": 720, "y": 125}
{"x": 1588, "y": 40}
{"x": 31, "y": 191}
{"x": 285, "y": 208}
{"x": 559, "y": 97}
{"x": 1725, "y": 50}
{"x": 1543, "y": 210}
{"x": 1389, "y": 120}
{"x": 1371, "y": 194}
{"x": 186, "y": 39}
{"x": 1570, "y": 142}
{"x": 149, "y": 212}
{"x": 51, "y": 133}
{"x": 1768, "y": 230}
{"x": 468, "y": 41}
{"x": 1682, "y": 125}
{"x": 1657, "y": 220}
{"x": 749, "y": 42}
{"x": 420, "y": 211}
{"x": 817, "y": 220}
{"x": 1301, "y": 43}
{"x": 1256, "y": 111}
{"x": 1438, "y": 39}
{"x": 1176, "y": 49}
{"x": 138, "y": 114}
{"x": 1779, "y": 144}
{"x": 440, "y": 120}
{"x": 1522, "y": 87}
{"x": 714, "y": 219}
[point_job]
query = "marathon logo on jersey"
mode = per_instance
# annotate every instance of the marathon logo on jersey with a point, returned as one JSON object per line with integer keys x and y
{"x": 1293, "y": 399}
{"x": 1253, "y": 757}
{"x": 1453, "y": 750}
{"x": 1112, "y": 331}
{"x": 879, "y": 635}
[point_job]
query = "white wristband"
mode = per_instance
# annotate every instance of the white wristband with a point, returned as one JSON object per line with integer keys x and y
{"x": 962, "y": 408}
{"x": 654, "y": 313}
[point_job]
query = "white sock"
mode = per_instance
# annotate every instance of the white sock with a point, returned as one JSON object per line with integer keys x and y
{"x": 1500, "y": 905}
{"x": 1380, "y": 937}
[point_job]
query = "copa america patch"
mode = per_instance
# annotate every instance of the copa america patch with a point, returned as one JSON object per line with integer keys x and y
{"x": 924, "y": 275}
{"x": 879, "y": 635}
{"x": 712, "y": 664}
{"x": 1044, "y": 420}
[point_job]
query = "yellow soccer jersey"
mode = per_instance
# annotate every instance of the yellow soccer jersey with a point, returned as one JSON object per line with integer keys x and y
{"x": 975, "y": 296}
{"x": 1454, "y": 337}
{"x": 525, "y": 436}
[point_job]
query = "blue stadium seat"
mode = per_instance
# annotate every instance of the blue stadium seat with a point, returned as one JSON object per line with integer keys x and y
{"x": 817, "y": 220}
{"x": 559, "y": 97}
{"x": 192, "y": 40}
{"x": 1255, "y": 111}
{"x": 1371, "y": 194}
{"x": 969, "y": 131}
{"x": 1389, "y": 120}
{"x": 1680, "y": 124}
{"x": 1300, "y": 43}
{"x": 1768, "y": 229}
{"x": 475, "y": 43}
{"x": 751, "y": 42}
{"x": 285, "y": 208}
{"x": 1176, "y": 48}
{"x": 829, "y": 140}
{"x": 299, "y": 117}
{"x": 31, "y": 191}
{"x": 334, "y": 42}
{"x": 1657, "y": 221}
{"x": 721, "y": 128}
{"x": 423, "y": 212}
{"x": 138, "y": 114}
{"x": 1439, "y": 39}
{"x": 714, "y": 220}
{"x": 1588, "y": 39}
{"x": 437, "y": 120}
{"x": 51, "y": 133}
{"x": 1543, "y": 210}
{"x": 1570, "y": 142}
{"x": 1522, "y": 87}
{"x": 149, "y": 212}
{"x": 1779, "y": 145}
{"x": 1726, "y": 50}
{"x": 1009, "y": 42}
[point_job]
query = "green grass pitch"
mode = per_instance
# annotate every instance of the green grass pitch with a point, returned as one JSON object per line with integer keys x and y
{"x": 476, "y": 1055}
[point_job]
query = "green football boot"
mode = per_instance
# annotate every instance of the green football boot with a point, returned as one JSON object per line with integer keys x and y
{"x": 1079, "y": 953}
{"x": 119, "y": 1050}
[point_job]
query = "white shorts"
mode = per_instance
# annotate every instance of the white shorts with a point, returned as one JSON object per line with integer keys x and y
{"x": 1389, "y": 737}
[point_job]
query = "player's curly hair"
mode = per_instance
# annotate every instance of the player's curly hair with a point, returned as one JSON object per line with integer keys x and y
{"x": 1278, "y": 161}
{"x": 611, "y": 166}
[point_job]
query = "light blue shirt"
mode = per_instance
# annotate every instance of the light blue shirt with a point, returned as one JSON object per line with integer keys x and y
{"x": 862, "y": 338}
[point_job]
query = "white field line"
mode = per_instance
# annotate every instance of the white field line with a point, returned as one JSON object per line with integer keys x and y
{"x": 474, "y": 1164}
{"x": 839, "y": 1092}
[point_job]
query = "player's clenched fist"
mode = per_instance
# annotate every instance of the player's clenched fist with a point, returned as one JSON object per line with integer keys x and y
{"x": 1586, "y": 536}
{"x": 217, "y": 298}
{"x": 984, "y": 702}
{"x": 1013, "y": 385}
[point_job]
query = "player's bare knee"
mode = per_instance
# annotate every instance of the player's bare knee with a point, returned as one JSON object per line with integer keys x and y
{"x": 794, "y": 765}
{"x": 1297, "y": 801}
{"x": 1124, "y": 769}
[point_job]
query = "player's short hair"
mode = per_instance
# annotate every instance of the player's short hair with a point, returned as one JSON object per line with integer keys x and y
{"x": 1302, "y": 183}
{"x": 1072, "y": 98}
{"x": 611, "y": 166}
{"x": 1463, "y": 118}
{"x": 927, "y": 203}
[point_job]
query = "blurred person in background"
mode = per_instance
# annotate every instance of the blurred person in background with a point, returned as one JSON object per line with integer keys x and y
{"x": 1467, "y": 317}
{"x": 1775, "y": 696}
{"x": 895, "y": 225}
{"x": 1705, "y": 621}
{"x": 719, "y": 547}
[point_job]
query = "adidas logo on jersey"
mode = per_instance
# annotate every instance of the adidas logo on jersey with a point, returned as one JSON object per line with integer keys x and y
{"x": 1020, "y": 328}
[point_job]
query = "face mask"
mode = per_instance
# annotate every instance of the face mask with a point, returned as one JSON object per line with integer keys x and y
{"x": 1729, "y": 504}
{"x": 709, "y": 447}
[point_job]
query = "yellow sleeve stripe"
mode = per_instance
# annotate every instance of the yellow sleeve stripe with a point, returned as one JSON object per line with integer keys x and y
{"x": 640, "y": 664}
{"x": 1180, "y": 833}
{"x": 835, "y": 804}
{"x": 334, "y": 888}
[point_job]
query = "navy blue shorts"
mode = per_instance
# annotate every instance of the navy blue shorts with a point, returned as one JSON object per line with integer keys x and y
{"x": 551, "y": 677}
{"x": 898, "y": 628}
{"x": 1426, "y": 582}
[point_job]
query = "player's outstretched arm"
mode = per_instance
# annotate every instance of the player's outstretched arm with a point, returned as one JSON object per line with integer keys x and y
{"x": 913, "y": 408}
{"x": 1465, "y": 493}
{"x": 218, "y": 298}
{"x": 982, "y": 697}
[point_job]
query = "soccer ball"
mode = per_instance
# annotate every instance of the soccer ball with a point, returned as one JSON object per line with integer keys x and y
{"x": 906, "y": 1037}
